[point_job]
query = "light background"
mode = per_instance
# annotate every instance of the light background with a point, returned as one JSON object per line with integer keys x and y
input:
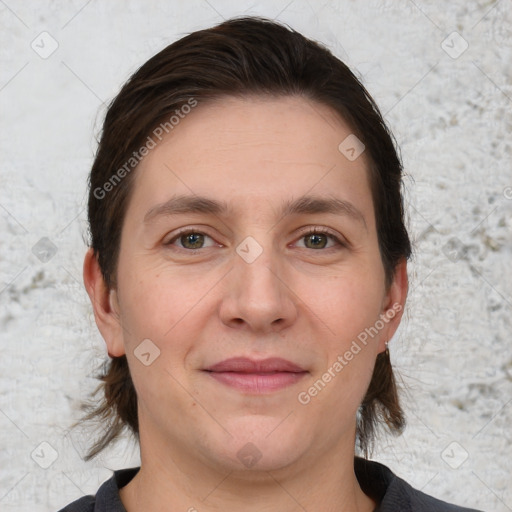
{"x": 451, "y": 115}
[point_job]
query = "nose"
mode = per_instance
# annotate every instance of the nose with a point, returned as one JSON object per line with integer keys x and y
{"x": 258, "y": 295}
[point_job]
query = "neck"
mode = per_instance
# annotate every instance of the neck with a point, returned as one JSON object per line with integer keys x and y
{"x": 179, "y": 482}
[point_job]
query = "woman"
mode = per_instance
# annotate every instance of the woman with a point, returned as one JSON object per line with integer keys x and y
{"x": 247, "y": 269}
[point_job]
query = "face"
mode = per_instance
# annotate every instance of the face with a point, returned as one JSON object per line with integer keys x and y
{"x": 250, "y": 235}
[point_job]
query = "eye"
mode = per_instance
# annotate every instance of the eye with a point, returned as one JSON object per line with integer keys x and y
{"x": 319, "y": 238}
{"x": 191, "y": 240}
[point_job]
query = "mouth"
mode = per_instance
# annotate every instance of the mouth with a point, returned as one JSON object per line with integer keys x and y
{"x": 252, "y": 376}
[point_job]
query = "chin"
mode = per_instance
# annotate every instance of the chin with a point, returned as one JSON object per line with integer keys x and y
{"x": 261, "y": 444}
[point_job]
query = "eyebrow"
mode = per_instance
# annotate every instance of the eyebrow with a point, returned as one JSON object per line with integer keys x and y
{"x": 184, "y": 204}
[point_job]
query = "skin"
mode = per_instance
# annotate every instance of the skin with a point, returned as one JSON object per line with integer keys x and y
{"x": 295, "y": 300}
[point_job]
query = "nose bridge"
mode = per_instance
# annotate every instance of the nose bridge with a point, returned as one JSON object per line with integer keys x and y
{"x": 257, "y": 294}
{"x": 256, "y": 268}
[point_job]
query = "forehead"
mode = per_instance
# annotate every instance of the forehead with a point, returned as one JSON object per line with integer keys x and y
{"x": 254, "y": 151}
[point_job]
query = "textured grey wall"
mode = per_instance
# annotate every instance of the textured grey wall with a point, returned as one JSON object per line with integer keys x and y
{"x": 441, "y": 73}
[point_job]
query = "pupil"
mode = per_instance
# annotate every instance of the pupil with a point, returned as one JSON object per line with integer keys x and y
{"x": 317, "y": 240}
{"x": 193, "y": 240}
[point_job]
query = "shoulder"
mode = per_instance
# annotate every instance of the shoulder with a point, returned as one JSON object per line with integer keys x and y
{"x": 107, "y": 498}
{"x": 85, "y": 504}
{"x": 420, "y": 501}
{"x": 393, "y": 493}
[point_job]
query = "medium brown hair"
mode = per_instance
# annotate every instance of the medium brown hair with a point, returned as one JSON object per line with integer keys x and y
{"x": 238, "y": 58}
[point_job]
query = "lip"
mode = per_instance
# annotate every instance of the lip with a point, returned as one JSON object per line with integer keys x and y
{"x": 247, "y": 365}
{"x": 253, "y": 376}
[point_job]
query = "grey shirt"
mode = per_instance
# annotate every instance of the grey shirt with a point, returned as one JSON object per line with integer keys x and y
{"x": 376, "y": 480}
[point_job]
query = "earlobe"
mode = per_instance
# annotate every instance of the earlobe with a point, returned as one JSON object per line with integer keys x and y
{"x": 105, "y": 305}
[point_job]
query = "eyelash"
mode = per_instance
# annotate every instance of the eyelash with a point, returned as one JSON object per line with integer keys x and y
{"x": 306, "y": 232}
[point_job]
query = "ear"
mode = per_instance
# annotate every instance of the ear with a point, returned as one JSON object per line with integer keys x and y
{"x": 394, "y": 304}
{"x": 105, "y": 305}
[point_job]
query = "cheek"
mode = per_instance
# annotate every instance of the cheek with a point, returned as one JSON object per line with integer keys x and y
{"x": 172, "y": 312}
{"x": 157, "y": 299}
{"x": 350, "y": 305}
{"x": 161, "y": 320}
{"x": 348, "y": 302}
